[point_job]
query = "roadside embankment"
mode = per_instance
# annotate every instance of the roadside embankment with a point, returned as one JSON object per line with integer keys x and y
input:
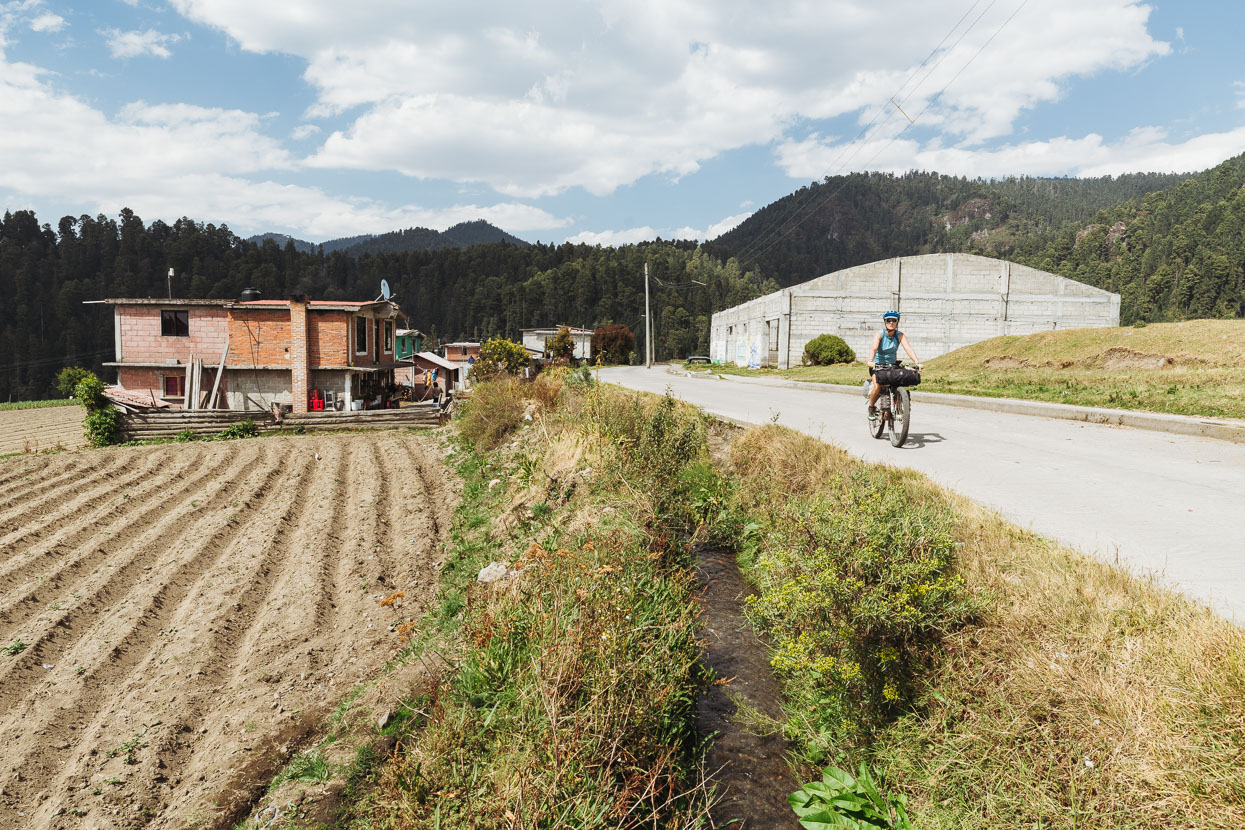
{"x": 996, "y": 679}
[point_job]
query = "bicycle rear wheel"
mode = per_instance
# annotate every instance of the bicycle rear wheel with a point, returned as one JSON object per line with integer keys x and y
{"x": 901, "y": 414}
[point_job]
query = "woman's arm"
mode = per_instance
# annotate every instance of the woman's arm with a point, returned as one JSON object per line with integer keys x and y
{"x": 873, "y": 350}
{"x": 907, "y": 347}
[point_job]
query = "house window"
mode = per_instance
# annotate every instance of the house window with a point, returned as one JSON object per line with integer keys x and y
{"x": 388, "y": 336}
{"x": 462, "y": 350}
{"x": 174, "y": 323}
{"x": 175, "y": 385}
{"x": 360, "y": 335}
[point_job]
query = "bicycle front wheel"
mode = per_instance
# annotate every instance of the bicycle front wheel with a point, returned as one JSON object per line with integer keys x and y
{"x": 901, "y": 414}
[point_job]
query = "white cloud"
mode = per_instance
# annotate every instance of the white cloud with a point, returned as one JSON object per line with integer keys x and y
{"x": 630, "y": 236}
{"x": 1143, "y": 149}
{"x": 48, "y": 22}
{"x": 713, "y": 231}
{"x": 172, "y": 160}
{"x": 596, "y": 95}
{"x": 608, "y": 239}
{"x": 134, "y": 43}
{"x": 303, "y": 131}
{"x": 1239, "y": 86}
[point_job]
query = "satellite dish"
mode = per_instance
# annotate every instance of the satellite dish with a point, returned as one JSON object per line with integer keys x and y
{"x": 384, "y": 289}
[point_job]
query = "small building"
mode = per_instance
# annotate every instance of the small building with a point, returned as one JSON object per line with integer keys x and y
{"x": 449, "y": 375}
{"x": 289, "y": 352}
{"x": 537, "y": 341}
{"x": 408, "y": 343}
{"x": 947, "y": 301}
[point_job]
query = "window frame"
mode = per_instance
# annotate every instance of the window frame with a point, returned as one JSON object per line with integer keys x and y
{"x": 360, "y": 327}
{"x": 388, "y": 337}
{"x": 170, "y": 319}
{"x": 179, "y": 386}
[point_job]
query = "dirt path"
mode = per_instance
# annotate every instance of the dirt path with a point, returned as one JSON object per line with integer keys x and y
{"x": 191, "y": 612}
{"x": 748, "y": 766}
{"x": 32, "y": 430}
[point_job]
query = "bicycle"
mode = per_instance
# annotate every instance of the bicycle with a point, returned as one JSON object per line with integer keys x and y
{"x": 894, "y": 410}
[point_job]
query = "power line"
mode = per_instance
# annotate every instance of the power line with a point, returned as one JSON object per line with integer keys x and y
{"x": 853, "y": 145}
{"x": 912, "y": 121}
{"x": 45, "y": 361}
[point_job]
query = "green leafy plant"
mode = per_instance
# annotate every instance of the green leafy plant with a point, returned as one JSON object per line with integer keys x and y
{"x": 562, "y": 345}
{"x": 500, "y": 355}
{"x": 246, "y": 429}
{"x": 186, "y": 435}
{"x": 840, "y": 801}
{"x": 69, "y": 378}
{"x": 15, "y": 647}
{"x": 103, "y": 422}
{"x": 826, "y": 350}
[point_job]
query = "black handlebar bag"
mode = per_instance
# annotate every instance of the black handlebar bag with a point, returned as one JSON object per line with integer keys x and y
{"x": 897, "y": 376}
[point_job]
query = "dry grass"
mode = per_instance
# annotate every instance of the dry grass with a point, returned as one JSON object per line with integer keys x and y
{"x": 1086, "y": 697}
{"x": 1192, "y": 368}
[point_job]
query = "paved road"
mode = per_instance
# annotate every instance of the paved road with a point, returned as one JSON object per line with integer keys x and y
{"x": 1166, "y": 504}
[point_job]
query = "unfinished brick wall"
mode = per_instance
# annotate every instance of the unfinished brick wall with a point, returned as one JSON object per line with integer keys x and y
{"x": 328, "y": 338}
{"x": 259, "y": 337}
{"x": 141, "y": 340}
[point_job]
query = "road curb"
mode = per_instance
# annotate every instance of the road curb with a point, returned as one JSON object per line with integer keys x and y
{"x": 1218, "y": 429}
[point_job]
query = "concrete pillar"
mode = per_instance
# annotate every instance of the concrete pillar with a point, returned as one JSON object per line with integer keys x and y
{"x": 300, "y": 371}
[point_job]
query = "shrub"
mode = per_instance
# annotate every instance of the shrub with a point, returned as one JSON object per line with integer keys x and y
{"x": 826, "y": 350}
{"x": 103, "y": 422}
{"x": 500, "y": 355}
{"x": 562, "y": 345}
{"x": 69, "y": 378}
{"x": 494, "y": 410}
{"x": 614, "y": 343}
{"x": 245, "y": 429}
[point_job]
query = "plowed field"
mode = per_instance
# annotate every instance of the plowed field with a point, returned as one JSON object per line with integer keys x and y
{"x": 32, "y": 430}
{"x": 191, "y": 612}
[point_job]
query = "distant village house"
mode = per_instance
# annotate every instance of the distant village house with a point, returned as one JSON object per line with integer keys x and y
{"x": 300, "y": 353}
{"x": 537, "y": 341}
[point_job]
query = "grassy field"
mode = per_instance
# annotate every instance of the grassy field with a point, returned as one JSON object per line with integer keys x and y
{"x": 996, "y": 679}
{"x": 37, "y": 404}
{"x": 1192, "y": 368}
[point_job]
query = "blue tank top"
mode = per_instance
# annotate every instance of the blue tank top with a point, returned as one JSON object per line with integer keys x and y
{"x": 888, "y": 349}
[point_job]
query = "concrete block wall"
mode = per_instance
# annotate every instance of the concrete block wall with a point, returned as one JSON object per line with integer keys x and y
{"x": 947, "y": 301}
{"x": 141, "y": 340}
{"x": 148, "y": 381}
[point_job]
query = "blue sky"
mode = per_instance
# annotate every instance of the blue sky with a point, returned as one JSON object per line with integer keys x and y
{"x": 606, "y": 121}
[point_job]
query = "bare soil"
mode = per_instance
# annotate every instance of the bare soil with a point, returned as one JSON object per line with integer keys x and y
{"x": 36, "y": 430}
{"x": 191, "y": 612}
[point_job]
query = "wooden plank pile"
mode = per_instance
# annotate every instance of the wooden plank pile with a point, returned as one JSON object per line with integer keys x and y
{"x": 419, "y": 415}
{"x": 143, "y": 426}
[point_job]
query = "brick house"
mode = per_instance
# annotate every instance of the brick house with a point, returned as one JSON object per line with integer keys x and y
{"x": 273, "y": 351}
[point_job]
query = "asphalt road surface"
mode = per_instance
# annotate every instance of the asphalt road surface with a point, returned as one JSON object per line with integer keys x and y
{"x": 1159, "y": 503}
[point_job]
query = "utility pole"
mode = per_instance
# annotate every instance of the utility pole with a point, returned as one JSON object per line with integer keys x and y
{"x": 170, "y": 283}
{"x": 648, "y": 325}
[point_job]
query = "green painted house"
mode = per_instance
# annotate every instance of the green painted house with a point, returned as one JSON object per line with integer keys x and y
{"x": 410, "y": 342}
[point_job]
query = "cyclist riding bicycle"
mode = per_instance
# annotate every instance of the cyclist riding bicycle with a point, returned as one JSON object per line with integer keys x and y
{"x": 885, "y": 352}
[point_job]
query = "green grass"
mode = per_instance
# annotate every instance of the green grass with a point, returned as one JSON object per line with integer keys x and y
{"x": 568, "y": 696}
{"x": 37, "y": 404}
{"x": 1194, "y": 368}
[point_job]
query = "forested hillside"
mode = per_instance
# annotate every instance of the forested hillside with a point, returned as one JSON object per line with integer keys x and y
{"x": 462, "y": 235}
{"x": 1171, "y": 255}
{"x": 862, "y": 217}
{"x": 46, "y": 274}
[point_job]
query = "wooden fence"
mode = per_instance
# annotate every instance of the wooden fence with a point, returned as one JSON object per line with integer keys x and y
{"x": 142, "y": 426}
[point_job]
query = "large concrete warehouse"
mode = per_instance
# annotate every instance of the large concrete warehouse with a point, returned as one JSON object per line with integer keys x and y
{"x": 947, "y": 301}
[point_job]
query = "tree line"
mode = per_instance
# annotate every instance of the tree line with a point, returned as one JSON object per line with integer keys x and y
{"x": 46, "y": 276}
